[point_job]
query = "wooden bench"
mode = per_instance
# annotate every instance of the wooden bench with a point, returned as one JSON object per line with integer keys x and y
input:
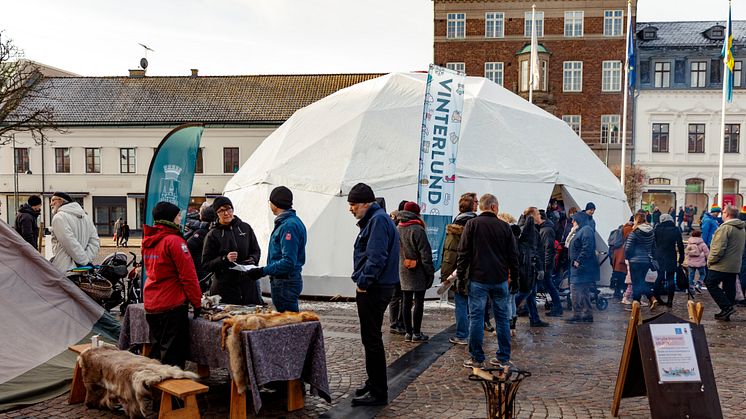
{"x": 184, "y": 389}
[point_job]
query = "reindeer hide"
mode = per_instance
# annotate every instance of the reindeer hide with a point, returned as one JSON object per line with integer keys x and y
{"x": 236, "y": 324}
{"x": 114, "y": 377}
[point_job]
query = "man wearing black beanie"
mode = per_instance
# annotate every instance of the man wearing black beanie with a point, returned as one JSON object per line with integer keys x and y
{"x": 171, "y": 285}
{"x": 26, "y": 224}
{"x": 286, "y": 254}
{"x": 376, "y": 274}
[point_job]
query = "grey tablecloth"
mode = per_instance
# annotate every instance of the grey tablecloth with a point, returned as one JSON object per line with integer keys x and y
{"x": 277, "y": 354}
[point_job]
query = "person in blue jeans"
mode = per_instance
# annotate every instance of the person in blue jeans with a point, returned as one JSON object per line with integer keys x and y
{"x": 488, "y": 253}
{"x": 638, "y": 251}
{"x": 287, "y": 252}
{"x": 531, "y": 255}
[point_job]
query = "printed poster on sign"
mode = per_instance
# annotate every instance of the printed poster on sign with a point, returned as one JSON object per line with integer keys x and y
{"x": 674, "y": 353}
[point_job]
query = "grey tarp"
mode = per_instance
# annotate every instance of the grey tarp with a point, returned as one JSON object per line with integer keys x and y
{"x": 42, "y": 314}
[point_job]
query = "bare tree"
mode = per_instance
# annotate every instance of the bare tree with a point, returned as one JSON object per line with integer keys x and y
{"x": 633, "y": 185}
{"x": 21, "y": 91}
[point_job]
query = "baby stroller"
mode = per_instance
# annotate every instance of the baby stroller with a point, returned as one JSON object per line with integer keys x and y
{"x": 562, "y": 282}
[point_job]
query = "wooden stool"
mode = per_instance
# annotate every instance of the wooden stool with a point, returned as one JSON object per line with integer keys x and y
{"x": 184, "y": 389}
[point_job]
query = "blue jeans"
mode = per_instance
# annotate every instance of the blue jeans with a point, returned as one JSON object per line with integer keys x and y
{"x": 462, "y": 316}
{"x": 285, "y": 293}
{"x": 478, "y": 295}
{"x": 530, "y": 297}
{"x": 637, "y": 272}
{"x": 693, "y": 271}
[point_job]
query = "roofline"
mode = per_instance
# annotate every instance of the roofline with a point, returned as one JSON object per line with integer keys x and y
{"x": 221, "y": 77}
{"x": 133, "y": 124}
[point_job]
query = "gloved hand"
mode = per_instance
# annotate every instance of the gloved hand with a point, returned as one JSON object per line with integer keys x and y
{"x": 197, "y": 312}
{"x": 255, "y": 273}
{"x": 540, "y": 276}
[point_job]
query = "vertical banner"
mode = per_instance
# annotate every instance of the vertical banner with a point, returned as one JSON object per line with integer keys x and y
{"x": 171, "y": 172}
{"x": 441, "y": 128}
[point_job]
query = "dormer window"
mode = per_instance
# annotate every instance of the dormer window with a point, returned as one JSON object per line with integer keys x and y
{"x": 716, "y": 33}
{"x": 648, "y": 34}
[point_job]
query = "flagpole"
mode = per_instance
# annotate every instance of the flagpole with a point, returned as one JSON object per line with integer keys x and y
{"x": 726, "y": 40}
{"x": 622, "y": 173}
{"x": 531, "y": 56}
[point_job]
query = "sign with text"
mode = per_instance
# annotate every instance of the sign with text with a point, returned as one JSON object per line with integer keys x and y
{"x": 441, "y": 127}
{"x": 674, "y": 353}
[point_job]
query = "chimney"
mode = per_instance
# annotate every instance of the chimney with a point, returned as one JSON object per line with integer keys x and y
{"x": 195, "y": 72}
{"x": 137, "y": 73}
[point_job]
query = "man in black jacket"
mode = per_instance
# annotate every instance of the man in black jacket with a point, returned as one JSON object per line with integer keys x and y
{"x": 668, "y": 245}
{"x": 546, "y": 238}
{"x": 488, "y": 254}
{"x": 196, "y": 242}
{"x": 26, "y": 224}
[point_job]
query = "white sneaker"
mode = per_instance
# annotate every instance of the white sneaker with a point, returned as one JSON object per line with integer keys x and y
{"x": 625, "y": 301}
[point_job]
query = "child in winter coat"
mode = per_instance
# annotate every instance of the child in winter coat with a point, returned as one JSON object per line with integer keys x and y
{"x": 696, "y": 258}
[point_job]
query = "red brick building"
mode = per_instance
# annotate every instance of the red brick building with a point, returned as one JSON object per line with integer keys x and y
{"x": 581, "y": 51}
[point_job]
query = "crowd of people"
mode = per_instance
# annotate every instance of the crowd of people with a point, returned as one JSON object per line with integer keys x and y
{"x": 492, "y": 264}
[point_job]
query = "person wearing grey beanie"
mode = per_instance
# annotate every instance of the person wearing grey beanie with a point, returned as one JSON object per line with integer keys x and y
{"x": 668, "y": 245}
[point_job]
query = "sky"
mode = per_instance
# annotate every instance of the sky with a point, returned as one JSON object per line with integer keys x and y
{"x": 224, "y": 37}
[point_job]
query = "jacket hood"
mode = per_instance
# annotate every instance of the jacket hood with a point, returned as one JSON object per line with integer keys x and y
{"x": 152, "y": 235}
{"x": 645, "y": 229}
{"x": 454, "y": 229}
{"x": 736, "y": 223}
{"x": 27, "y": 209}
{"x": 695, "y": 240}
{"x": 462, "y": 218}
{"x": 404, "y": 216}
{"x": 233, "y": 222}
{"x": 581, "y": 218}
{"x": 72, "y": 208}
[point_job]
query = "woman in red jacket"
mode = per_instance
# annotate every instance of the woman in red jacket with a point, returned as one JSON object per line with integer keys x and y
{"x": 171, "y": 285}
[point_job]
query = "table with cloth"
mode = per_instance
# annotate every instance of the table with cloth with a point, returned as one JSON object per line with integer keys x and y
{"x": 282, "y": 353}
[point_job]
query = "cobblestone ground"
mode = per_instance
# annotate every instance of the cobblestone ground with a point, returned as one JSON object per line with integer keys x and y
{"x": 574, "y": 369}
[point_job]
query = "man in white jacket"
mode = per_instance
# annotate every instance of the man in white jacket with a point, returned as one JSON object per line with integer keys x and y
{"x": 75, "y": 241}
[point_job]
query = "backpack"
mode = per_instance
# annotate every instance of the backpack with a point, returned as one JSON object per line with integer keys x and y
{"x": 616, "y": 239}
{"x": 692, "y": 250}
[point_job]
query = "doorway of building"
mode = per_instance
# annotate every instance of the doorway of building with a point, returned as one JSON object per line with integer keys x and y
{"x": 663, "y": 200}
{"x": 106, "y": 211}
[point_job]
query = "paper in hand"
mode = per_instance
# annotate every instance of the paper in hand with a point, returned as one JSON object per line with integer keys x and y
{"x": 243, "y": 268}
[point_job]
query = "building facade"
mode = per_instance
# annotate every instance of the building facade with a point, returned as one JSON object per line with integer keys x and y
{"x": 112, "y": 126}
{"x": 678, "y": 128}
{"x": 582, "y": 49}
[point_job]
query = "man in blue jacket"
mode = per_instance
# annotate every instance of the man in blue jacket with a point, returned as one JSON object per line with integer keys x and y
{"x": 709, "y": 225}
{"x": 287, "y": 252}
{"x": 375, "y": 273}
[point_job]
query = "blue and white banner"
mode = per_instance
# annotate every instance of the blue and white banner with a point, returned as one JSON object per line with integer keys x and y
{"x": 441, "y": 128}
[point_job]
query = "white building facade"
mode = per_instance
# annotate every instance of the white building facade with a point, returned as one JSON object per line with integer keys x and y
{"x": 678, "y": 128}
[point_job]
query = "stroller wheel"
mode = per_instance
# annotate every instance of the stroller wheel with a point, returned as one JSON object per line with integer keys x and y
{"x": 602, "y": 303}
{"x": 547, "y": 305}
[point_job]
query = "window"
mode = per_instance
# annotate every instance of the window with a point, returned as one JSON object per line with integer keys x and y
{"x": 730, "y": 186}
{"x": 611, "y": 78}
{"x": 494, "y": 25}
{"x": 613, "y": 22}
{"x": 230, "y": 159}
{"x": 494, "y": 72}
{"x": 199, "y": 165}
{"x": 21, "y": 160}
{"x": 610, "y": 129}
{"x": 573, "y": 24}
{"x": 126, "y": 160}
{"x": 663, "y": 74}
{"x": 659, "y": 181}
{"x": 695, "y": 185}
{"x": 62, "y": 160}
{"x": 456, "y": 25}
{"x": 460, "y": 67}
{"x": 573, "y": 121}
{"x": 696, "y": 138}
{"x": 572, "y": 76}
{"x": 698, "y": 73}
{"x": 649, "y": 34}
{"x": 732, "y": 135}
{"x": 524, "y": 75}
{"x": 93, "y": 160}
{"x": 660, "y": 138}
{"x": 737, "y": 66}
{"x": 539, "y": 16}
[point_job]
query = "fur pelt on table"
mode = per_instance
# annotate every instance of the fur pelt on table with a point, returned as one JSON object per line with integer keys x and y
{"x": 233, "y": 326}
{"x": 113, "y": 377}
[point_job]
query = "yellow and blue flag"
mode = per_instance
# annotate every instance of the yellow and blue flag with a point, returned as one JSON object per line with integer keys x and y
{"x": 727, "y": 55}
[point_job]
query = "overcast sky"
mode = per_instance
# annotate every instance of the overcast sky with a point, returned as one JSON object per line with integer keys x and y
{"x": 221, "y": 37}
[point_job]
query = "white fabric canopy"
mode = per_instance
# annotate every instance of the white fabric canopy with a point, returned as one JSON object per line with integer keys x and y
{"x": 370, "y": 132}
